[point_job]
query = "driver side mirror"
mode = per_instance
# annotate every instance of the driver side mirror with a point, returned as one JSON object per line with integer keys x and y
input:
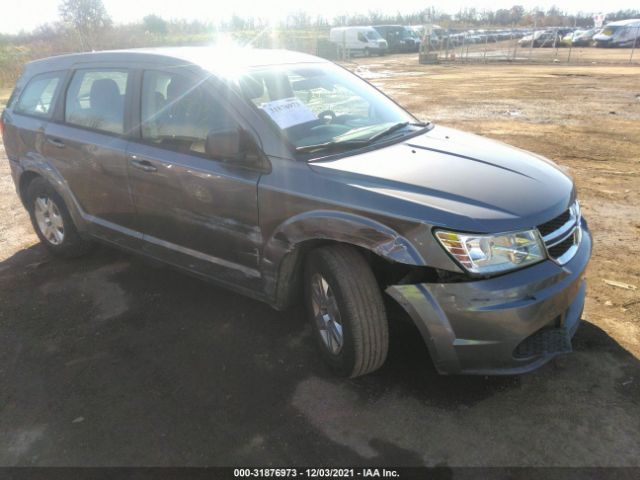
{"x": 234, "y": 145}
{"x": 226, "y": 144}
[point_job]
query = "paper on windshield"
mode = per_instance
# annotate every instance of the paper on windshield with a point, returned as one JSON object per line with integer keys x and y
{"x": 288, "y": 112}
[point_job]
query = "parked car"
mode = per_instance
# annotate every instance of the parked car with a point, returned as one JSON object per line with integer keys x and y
{"x": 399, "y": 38}
{"x": 542, "y": 38}
{"x": 619, "y": 34}
{"x": 579, "y": 38}
{"x": 286, "y": 177}
{"x": 364, "y": 40}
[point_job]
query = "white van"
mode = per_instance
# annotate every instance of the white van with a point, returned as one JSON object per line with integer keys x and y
{"x": 365, "y": 40}
{"x": 619, "y": 34}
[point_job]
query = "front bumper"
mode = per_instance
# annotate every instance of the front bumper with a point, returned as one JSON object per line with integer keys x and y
{"x": 378, "y": 50}
{"x": 505, "y": 325}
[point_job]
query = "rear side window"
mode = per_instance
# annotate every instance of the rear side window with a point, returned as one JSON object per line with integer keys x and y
{"x": 95, "y": 99}
{"x": 38, "y": 96}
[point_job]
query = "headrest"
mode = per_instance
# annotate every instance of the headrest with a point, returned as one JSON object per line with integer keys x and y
{"x": 178, "y": 86}
{"x": 252, "y": 87}
{"x": 104, "y": 90}
{"x": 278, "y": 86}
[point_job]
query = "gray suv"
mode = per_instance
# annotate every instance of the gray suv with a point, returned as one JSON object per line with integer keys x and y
{"x": 284, "y": 177}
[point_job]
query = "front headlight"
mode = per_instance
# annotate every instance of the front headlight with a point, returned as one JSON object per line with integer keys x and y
{"x": 487, "y": 254}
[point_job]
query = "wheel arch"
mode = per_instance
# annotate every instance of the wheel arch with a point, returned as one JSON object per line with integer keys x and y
{"x": 23, "y": 185}
{"x": 33, "y": 170}
{"x": 286, "y": 250}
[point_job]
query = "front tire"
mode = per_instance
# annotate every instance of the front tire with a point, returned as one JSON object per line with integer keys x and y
{"x": 51, "y": 221}
{"x": 346, "y": 310}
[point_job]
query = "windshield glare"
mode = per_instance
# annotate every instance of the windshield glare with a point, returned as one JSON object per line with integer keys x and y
{"x": 316, "y": 104}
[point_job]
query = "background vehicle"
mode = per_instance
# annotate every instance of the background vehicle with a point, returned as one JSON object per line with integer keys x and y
{"x": 619, "y": 34}
{"x": 365, "y": 40}
{"x": 544, "y": 38}
{"x": 399, "y": 38}
{"x": 579, "y": 38}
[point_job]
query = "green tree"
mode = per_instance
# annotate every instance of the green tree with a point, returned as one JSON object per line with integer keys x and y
{"x": 154, "y": 24}
{"x": 87, "y": 18}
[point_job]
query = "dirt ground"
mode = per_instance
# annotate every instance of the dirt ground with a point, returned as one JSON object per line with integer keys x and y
{"x": 109, "y": 360}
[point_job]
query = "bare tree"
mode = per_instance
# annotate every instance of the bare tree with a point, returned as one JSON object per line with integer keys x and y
{"x": 88, "y": 18}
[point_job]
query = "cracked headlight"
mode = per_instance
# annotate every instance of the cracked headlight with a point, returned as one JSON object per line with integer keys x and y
{"x": 488, "y": 254}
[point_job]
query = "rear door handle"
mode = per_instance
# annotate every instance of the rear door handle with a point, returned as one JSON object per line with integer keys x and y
{"x": 56, "y": 142}
{"x": 141, "y": 164}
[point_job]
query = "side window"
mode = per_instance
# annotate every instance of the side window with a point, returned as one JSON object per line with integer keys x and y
{"x": 361, "y": 37}
{"x": 95, "y": 99}
{"x": 37, "y": 97}
{"x": 178, "y": 113}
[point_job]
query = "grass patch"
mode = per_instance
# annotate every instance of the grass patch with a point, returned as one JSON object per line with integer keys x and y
{"x": 4, "y": 96}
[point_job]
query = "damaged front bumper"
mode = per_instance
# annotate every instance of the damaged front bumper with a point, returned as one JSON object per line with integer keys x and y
{"x": 505, "y": 325}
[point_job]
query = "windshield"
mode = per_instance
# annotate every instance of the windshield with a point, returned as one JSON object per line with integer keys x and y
{"x": 315, "y": 104}
{"x": 410, "y": 33}
{"x": 610, "y": 30}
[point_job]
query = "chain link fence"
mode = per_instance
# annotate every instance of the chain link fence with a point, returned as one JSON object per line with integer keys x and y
{"x": 550, "y": 45}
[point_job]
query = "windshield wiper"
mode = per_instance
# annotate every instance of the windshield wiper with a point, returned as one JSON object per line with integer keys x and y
{"x": 393, "y": 128}
{"x": 333, "y": 145}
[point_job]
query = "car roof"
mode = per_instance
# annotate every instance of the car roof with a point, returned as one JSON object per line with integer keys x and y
{"x": 215, "y": 59}
{"x": 622, "y": 23}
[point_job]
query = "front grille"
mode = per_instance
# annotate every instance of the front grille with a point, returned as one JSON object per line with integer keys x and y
{"x": 562, "y": 234}
{"x": 556, "y": 223}
{"x": 561, "y": 248}
{"x": 544, "y": 342}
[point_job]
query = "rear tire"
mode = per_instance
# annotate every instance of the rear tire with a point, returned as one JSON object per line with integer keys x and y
{"x": 346, "y": 310}
{"x": 52, "y": 222}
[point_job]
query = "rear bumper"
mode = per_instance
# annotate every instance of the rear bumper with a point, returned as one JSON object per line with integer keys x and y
{"x": 500, "y": 326}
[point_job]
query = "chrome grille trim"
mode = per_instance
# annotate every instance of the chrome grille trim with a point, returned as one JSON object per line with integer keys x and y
{"x": 569, "y": 229}
{"x": 564, "y": 230}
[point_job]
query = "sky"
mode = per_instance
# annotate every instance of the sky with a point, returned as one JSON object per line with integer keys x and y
{"x": 28, "y": 14}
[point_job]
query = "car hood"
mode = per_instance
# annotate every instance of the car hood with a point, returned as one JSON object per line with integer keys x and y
{"x": 603, "y": 36}
{"x": 454, "y": 179}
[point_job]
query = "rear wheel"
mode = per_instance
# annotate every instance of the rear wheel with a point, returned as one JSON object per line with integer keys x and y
{"x": 346, "y": 310}
{"x": 52, "y": 222}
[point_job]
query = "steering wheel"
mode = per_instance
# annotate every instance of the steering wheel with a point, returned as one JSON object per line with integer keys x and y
{"x": 327, "y": 115}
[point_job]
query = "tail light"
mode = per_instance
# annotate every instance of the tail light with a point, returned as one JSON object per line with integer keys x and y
{"x": 1, "y": 126}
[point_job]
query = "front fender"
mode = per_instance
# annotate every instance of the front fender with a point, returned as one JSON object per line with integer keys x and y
{"x": 280, "y": 254}
{"x": 341, "y": 227}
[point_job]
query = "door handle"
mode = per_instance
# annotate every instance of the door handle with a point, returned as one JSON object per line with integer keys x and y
{"x": 56, "y": 142}
{"x": 144, "y": 165}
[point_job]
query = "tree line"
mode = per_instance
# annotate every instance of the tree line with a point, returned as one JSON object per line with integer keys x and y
{"x": 86, "y": 24}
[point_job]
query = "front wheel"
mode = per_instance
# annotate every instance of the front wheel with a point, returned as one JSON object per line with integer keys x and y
{"x": 346, "y": 310}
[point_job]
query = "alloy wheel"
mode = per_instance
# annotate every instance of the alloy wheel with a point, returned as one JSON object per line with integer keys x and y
{"x": 49, "y": 220}
{"x": 326, "y": 314}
